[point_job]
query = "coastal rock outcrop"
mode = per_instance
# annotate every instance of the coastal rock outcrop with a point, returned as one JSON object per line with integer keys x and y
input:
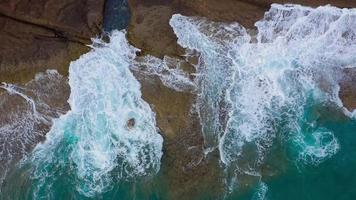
{"x": 49, "y": 34}
{"x": 42, "y": 34}
{"x": 149, "y": 29}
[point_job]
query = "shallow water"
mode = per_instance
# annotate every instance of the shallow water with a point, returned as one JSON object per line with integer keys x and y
{"x": 267, "y": 103}
{"x": 265, "y": 93}
{"x": 92, "y": 146}
{"x": 116, "y": 15}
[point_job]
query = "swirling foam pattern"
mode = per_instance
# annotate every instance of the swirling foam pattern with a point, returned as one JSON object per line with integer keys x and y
{"x": 256, "y": 88}
{"x": 109, "y": 134}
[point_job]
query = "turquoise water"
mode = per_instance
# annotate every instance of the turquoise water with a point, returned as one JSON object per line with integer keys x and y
{"x": 335, "y": 178}
{"x": 273, "y": 124}
{"x": 269, "y": 102}
{"x": 93, "y": 146}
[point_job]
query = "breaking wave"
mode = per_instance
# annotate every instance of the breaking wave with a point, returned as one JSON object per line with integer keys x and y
{"x": 109, "y": 135}
{"x": 256, "y": 90}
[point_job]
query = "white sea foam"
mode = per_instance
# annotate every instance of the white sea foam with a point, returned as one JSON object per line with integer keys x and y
{"x": 27, "y": 111}
{"x": 261, "y": 193}
{"x": 11, "y": 89}
{"x": 320, "y": 146}
{"x": 168, "y": 69}
{"x": 213, "y": 41}
{"x": 94, "y": 140}
{"x": 249, "y": 92}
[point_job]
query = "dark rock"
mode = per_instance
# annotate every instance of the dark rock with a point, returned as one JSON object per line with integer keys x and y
{"x": 130, "y": 123}
{"x": 150, "y": 31}
{"x": 347, "y": 91}
{"x": 41, "y": 34}
{"x": 78, "y": 19}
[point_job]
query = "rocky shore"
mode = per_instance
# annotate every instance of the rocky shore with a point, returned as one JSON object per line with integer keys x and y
{"x": 48, "y": 34}
{"x": 45, "y": 34}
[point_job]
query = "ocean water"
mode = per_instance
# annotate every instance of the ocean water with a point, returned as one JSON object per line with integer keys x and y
{"x": 116, "y": 15}
{"x": 26, "y": 115}
{"x": 272, "y": 93}
{"x": 109, "y": 135}
{"x": 267, "y": 102}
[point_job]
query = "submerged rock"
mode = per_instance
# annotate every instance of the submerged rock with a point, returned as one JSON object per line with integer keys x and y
{"x": 348, "y": 88}
{"x": 116, "y": 15}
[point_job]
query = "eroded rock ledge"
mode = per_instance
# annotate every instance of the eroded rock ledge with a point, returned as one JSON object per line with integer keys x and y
{"x": 149, "y": 27}
{"x": 41, "y": 34}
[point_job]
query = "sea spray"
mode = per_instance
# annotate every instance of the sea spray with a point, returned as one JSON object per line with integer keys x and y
{"x": 108, "y": 136}
{"x": 255, "y": 93}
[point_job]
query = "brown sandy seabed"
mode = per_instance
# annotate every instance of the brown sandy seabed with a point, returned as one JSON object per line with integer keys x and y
{"x": 41, "y": 41}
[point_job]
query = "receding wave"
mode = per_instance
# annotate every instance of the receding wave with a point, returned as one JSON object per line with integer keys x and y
{"x": 255, "y": 90}
{"x": 109, "y": 134}
{"x": 256, "y": 94}
{"x": 27, "y": 113}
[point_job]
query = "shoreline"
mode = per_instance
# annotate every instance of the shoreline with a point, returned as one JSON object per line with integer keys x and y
{"x": 148, "y": 30}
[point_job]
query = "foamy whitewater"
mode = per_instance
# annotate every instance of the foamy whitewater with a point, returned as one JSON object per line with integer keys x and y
{"x": 256, "y": 91}
{"x": 94, "y": 145}
{"x": 23, "y": 125}
{"x": 273, "y": 124}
